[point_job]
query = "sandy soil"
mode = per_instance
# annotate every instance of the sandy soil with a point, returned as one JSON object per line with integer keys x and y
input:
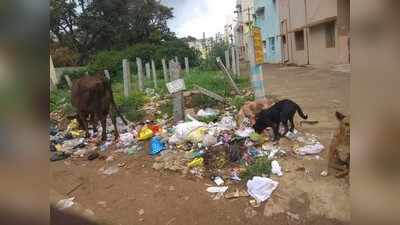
{"x": 303, "y": 196}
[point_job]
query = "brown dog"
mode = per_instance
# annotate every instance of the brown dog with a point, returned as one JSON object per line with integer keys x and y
{"x": 339, "y": 150}
{"x": 250, "y": 109}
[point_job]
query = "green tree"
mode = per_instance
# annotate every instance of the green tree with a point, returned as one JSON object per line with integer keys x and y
{"x": 90, "y": 26}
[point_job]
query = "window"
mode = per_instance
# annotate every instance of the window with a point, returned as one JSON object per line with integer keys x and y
{"x": 299, "y": 39}
{"x": 265, "y": 45}
{"x": 260, "y": 13}
{"x": 330, "y": 34}
{"x": 271, "y": 41}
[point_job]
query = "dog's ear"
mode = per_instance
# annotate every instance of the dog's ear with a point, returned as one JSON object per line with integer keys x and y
{"x": 339, "y": 116}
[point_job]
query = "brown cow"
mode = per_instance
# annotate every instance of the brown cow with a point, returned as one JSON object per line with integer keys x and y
{"x": 92, "y": 96}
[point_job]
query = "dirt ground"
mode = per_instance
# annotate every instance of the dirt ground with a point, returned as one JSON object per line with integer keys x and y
{"x": 303, "y": 196}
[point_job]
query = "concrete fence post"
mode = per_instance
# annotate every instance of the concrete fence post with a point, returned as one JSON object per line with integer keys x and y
{"x": 237, "y": 62}
{"x": 148, "y": 71}
{"x": 126, "y": 76}
{"x": 153, "y": 67}
{"x": 165, "y": 70}
{"x": 140, "y": 73}
{"x": 107, "y": 74}
{"x": 187, "y": 69}
{"x": 178, "y": 105}
{"x": 227, "y": 61}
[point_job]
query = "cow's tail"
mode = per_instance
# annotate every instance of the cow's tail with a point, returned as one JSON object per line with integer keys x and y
{"x": 113, "y": 103}
{"x": 300, "y": 112}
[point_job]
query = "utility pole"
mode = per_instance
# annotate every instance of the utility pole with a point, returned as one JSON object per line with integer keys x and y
{"x": 255, "y": 53}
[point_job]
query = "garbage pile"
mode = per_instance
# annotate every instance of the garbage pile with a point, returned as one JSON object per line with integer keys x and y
{"x": 212, "y": 146}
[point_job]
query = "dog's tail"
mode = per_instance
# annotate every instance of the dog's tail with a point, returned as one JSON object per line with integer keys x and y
{"x": 301, "y": 114}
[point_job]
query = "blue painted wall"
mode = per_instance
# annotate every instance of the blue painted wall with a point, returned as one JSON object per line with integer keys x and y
{"x": 269, "y": 24}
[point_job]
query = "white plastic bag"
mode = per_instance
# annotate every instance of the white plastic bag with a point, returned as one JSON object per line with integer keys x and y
{"x": 310, "y": 149}
{"x": 244, "y": 132}
{"x": 276, "y": 168}
{"x": 261, "y": 188}
{"x": 227, "y": 122}
{"x": 182, "y": 130}
{"x": 65, "y": 203}
{"x": 207, "y": 112}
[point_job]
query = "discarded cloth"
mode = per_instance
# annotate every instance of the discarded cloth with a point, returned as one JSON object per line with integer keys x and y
{"x": 261, "y": 188}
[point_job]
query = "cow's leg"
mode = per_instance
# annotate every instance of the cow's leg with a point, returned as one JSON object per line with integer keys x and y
{"x": 82, "y": 118}
{"x": 103, "y": 120}
{"x": 93, "y": 120}
{"x": 114, "y": 121}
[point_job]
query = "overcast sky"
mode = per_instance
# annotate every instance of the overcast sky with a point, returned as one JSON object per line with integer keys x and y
{"x": 193, "y": 17}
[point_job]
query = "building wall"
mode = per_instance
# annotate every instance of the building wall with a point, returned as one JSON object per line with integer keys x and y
{"x": 269, "y": 24}
{"x": 319, "y": 12}
{"x": 319, "y": 53}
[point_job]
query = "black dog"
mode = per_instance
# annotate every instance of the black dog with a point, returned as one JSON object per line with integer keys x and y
{"x": 282, "y": 111}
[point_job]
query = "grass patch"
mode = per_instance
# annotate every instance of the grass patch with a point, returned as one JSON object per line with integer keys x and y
{"x": 261, "y": 166}
{"x": 60, "y": 99}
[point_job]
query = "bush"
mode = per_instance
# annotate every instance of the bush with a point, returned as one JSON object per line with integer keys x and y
{"x": 112, "y": 60}
{"x": 60, "y": 100}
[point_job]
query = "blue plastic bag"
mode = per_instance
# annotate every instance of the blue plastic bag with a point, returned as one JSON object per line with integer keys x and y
{"x": 156, "y": 146}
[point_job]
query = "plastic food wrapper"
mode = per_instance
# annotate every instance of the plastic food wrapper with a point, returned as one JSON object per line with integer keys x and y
{"x": 244, "y": 132}
{"x": 276, "y": 168}
{"x": 126, "y": 139}
{"x": 196, "y": 162}
{"x": 154, "y": 128}
{"x": 227, "y": 122}
{"x": 257, "y": 137}
{"x": 182, "y": 130}
{"x": 145, "y": 133}
{"x": 156, "y": 146}
{"x": 197, "y": 135}
{"x": 73, "y": 125}
{"x": 77, "y": 133}
{"x": 261, "y": 188}
{"x": 222, "y": 189}
{"x": 207, "y": 112}
{"x": 310, "y": 149}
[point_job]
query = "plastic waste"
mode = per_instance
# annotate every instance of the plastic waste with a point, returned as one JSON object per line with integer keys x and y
{"x": 218, "y": 181}
{"x": 65, "y": 203}
{"x": 197, "y": 154}
{"x": 220, "y": 189}
{"x": 57, "y": 156}
{"x": 310, "y": 149}
{"x": 197, "y": 135}
{"x": 196, "y": 162}
{"x": 105, "y": 146}
{"x": 182, "y": 130}
{"x": 276, "y": 168}
{"x": 244, "y": 132}
{"x": 77, "y": 133}
{"x": 209, "y": 140}
{"x": 93, "y": 156}
{"x": 235, "y": 175}
{"x": 126, "y": 139}
{"x": 227, "y": 123}
{"x": 155, "y": 128}
{"x": 261, "y": 188}
{"x": 156, "y": 145}
{"x": 207, "y": 112}
{"x": 145, "y": 133}
{"x": 256, "y": 137}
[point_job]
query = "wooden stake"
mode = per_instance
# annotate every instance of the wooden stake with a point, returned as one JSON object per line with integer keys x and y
{"x": 227, "y": 74}
{"x": 187, "y": 65}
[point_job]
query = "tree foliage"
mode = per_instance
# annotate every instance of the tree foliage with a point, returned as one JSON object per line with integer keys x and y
{"x": 89, "y": 26}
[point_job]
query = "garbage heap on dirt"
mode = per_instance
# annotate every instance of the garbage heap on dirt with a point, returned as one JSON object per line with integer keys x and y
{"x": 208, "y": 145}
